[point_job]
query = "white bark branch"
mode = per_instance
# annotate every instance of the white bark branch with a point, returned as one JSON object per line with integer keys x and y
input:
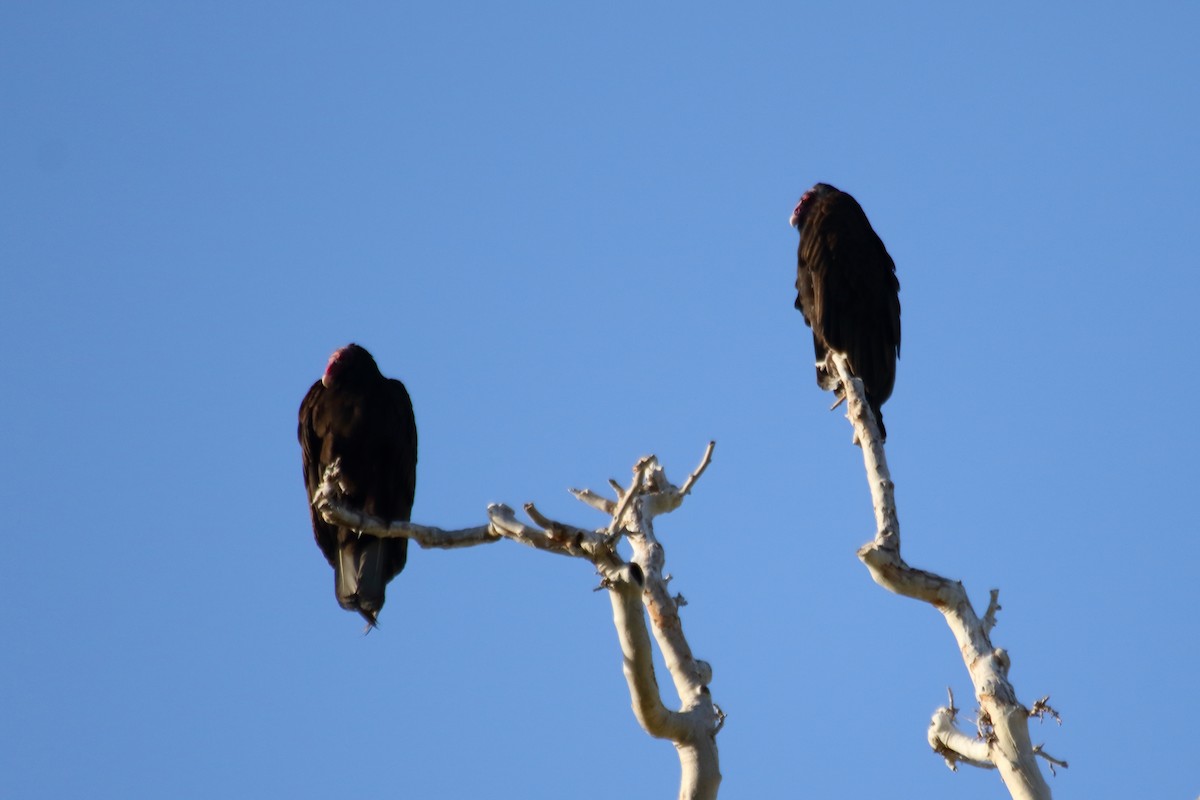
{"x": 555, "y": 537}
{"x": 596, "y": 501}
{"x": 638, "y": 662}
{"x": 632, "y": 586}
{"x": 328, "y": 501}
{"x": 1004, "y": 721}
{"x": 705, "y": 460}
{"x": 955, "y": 746}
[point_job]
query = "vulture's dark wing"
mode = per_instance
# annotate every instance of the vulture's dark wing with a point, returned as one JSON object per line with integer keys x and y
{"x": 366, "y": 422}
{"x": 313, "y": 428}
{"x": 847, "y": 289}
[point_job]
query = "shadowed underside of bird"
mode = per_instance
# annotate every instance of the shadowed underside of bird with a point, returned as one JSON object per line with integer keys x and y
{"x": 365, "y": 421}
{"x": 846, "y": 287}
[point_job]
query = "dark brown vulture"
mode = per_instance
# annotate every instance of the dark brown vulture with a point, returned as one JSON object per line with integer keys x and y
{"x": 847, "y": 290}
{"x": 355, "y": 414}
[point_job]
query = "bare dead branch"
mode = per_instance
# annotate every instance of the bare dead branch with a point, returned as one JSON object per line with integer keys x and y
{"x": 555, "y": 537}
{"x": 879, "y": 479}
{"x": 635, "y": 588}
{"x": 1003, "y": 722}
{"x": 329, "y": 503}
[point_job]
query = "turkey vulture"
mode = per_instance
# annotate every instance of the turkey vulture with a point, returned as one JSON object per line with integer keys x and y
{"x": 847, "y": 290}
{"x": 355, "y": 414}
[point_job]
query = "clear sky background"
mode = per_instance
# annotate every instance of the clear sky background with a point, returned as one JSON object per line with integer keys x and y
{"x": 564, "y": 226}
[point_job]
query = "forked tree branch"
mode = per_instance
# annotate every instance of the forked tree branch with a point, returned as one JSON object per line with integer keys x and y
{"x": 631, "y": 585}
{"x": 1004, "y": 741}
{"x": 694, "y": 726}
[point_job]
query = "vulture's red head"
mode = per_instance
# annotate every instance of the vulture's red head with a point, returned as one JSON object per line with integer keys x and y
{"x": 807, "y": 201}
{"x": 349, "y": 365}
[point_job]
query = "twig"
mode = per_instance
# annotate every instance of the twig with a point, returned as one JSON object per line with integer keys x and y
{"x": 1042, "y": 709}
{"x": 686, "y": 489}
{"x": 596, "y": 501}
{"x": 1040, "y": 753}
{"x": 989, "y": 616}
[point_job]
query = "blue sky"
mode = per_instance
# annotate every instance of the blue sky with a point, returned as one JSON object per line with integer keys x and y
{"x": 565, "y": 228}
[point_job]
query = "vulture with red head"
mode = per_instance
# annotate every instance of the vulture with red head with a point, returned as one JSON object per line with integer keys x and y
{"x": 847, "y": 290}
{"x": 355, "y": 414}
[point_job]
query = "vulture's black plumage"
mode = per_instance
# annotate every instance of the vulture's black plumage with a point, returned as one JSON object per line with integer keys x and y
{"x": 356, "y": 414}
{"x": 847, "y": 289}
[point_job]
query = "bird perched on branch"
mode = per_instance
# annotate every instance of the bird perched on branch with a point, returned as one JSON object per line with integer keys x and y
{"x": 356, "y": 416}
{"x": 847, "y": 290}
